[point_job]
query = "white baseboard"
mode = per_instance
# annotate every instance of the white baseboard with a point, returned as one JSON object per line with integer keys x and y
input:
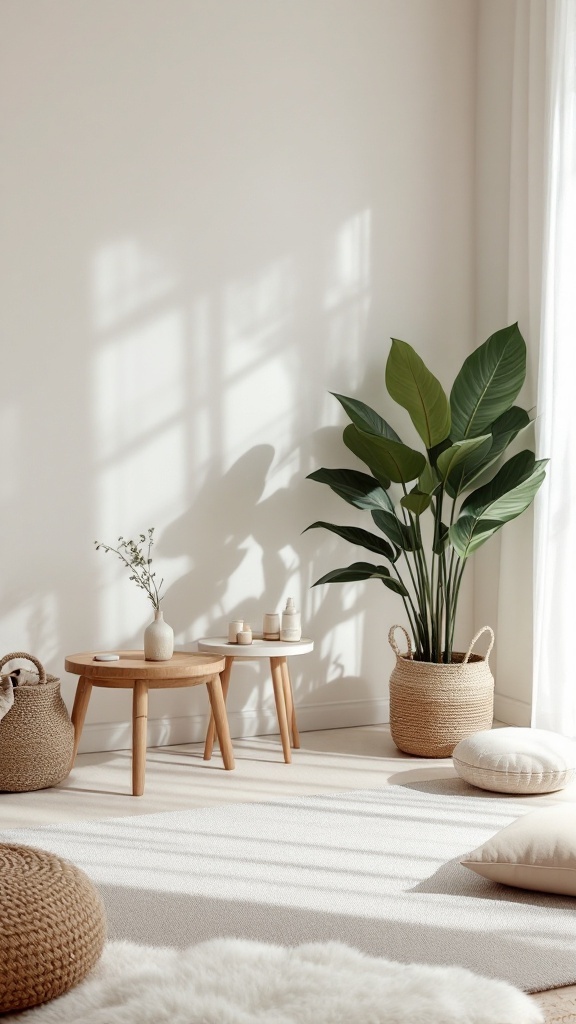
{"x": 192, "y": 728}
{"x": 511, "y": 711}
{"x": 311, "y": 717}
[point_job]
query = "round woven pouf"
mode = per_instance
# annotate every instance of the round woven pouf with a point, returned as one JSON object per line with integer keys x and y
{"x": 52, "y": 926}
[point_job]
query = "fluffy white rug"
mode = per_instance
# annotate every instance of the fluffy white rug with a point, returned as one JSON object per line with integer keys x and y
{"x": 232, "y": 981}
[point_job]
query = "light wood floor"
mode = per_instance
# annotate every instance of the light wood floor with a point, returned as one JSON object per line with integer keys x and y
{"x": 178, "y": 778}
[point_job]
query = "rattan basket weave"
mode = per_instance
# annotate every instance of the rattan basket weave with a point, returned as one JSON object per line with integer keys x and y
{"x": 434, "y": 706}
{"x": 36, "y": 735}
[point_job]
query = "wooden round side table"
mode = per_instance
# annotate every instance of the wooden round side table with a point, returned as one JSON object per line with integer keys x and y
{"x": 132, "y": 672}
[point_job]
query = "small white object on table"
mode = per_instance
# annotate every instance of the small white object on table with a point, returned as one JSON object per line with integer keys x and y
{"x": 278, "y": 652}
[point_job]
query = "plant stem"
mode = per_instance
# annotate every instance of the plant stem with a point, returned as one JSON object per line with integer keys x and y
{"x": 409, "y": 606}
{"x": 440, "y": 585}
{"x": 420, "y": 591}
{"x": 458, "y": 580}
{"x": 427, "y": 592}
{"x": 420, "y": 638}
{"x": 451, "y": 598}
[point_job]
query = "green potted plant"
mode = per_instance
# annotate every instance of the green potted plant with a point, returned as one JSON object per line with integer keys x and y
{"x": 434, "y": 509}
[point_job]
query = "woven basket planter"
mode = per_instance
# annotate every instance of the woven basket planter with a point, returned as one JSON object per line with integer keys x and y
{"x": 434, "y": 706}
{"x": 36, "y": 735}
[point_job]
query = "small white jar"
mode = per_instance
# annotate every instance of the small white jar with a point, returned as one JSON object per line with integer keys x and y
{"x": 234, "y": 628}
{"x": 271, "y": 626}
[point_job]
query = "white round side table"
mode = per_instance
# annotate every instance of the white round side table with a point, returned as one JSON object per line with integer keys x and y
{"x": 278, "y": 652}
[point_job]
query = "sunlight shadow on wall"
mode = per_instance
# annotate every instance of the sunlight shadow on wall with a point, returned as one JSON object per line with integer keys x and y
{"x": 203, "y": 407}
{"x": 138, "y": 400}
{"x": 337, "y": 614}
{"x": 347, "y": 294}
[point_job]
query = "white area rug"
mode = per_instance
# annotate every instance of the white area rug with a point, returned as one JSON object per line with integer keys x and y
{"x": 230, "y": 981}
{"x": 378, "y": 870}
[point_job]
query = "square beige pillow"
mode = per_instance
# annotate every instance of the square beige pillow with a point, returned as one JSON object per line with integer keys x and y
{"x": 537, "y": 851}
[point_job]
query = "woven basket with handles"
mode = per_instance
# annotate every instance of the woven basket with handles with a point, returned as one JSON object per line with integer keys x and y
{"x": 434, "y": 706}
{"x": 36, "y": 735}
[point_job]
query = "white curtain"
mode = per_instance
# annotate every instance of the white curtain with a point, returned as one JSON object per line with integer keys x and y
{"x": 554, "y": 692}
{"x": 510, "y": 163}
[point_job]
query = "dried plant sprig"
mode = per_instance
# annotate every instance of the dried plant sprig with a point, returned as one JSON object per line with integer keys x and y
{"x": 136, "y": 555}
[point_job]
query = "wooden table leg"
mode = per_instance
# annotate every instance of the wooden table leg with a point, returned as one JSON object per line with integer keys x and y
{"x": 211, "y": 733}
{"x": 289, "y": 700}
{"x": 139, "y": 724}
{"x": 277, "y": 682}
{"x": 220, "y": 720}
{"x": 81, "y": 701}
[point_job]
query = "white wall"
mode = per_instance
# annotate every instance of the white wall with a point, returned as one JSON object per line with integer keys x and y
{"x": 216, "y": 211}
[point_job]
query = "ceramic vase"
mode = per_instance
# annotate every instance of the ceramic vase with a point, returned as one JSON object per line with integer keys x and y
{"x": 158, "y": 639}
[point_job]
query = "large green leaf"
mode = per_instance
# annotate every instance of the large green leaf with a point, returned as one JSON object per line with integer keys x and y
{"x": 459, "y": 453}
{"x": 436, "y": 451}
{"x": 416, "y": 501}
{"x": 487, "y": 509}
{"x": 503, "y": 432}
{"x": 363, "y": 538}
{"x": 469, "y": 533}
{"x": 428, "y": 480}
{"x": 396, "y": 531}
{"x": 472, "y": 467}
{"x": 501, "y": 497}
{"x": 383, "y": 456}
{"x": 411, "y": 384}
{"x": 356, "y": 488}
{"x": 363, "y": 571}
{"x": 441, "y": 536}
{"x": 506, "y": 428}
{"x": 489, "y": 381}
{"x": 366, "y": 418}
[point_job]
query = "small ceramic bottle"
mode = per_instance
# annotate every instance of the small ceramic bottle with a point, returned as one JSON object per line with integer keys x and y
{"x": 291, "y": 629}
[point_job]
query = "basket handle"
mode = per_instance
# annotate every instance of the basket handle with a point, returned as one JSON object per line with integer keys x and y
{"x": 394, "y": 645}
{"x": 28, "y": 657}
{"x": 485, "y": 629}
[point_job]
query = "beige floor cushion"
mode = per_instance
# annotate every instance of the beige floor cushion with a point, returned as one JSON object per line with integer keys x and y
{"x": 516, "y": 760}
{"x": 537, "y": 851}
